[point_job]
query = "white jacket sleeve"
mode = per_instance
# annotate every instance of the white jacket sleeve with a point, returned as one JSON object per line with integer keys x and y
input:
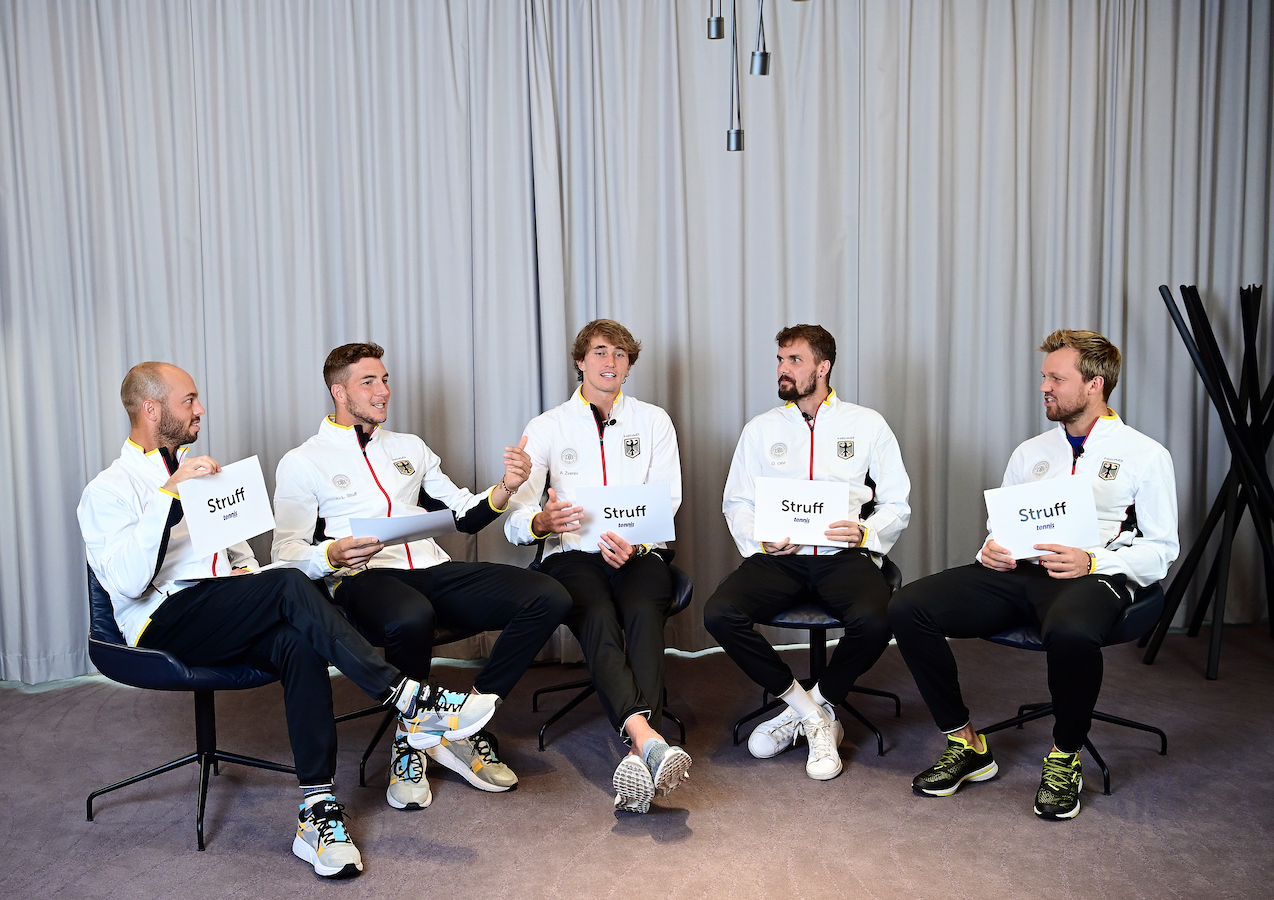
{"x": 892, "y": 513}
{"x": 526, "y": 502}
{"x": 122, "y": 542}
{"x": 296, "y": 508}
{"x": 1145, "y": 557}
{"x": 738, "y": 502}
{"x": 665, "y": 468}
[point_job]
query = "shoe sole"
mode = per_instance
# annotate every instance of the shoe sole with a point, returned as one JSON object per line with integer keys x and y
{"x": 635, "y": 792}
{"x": 304, "y": 851}
{"x": 983, "y": 774}
{"x": 423, "y": 740}
{"x": 443, "y": 757}
{"x": 672, "y": 771}
{"x": 1057, "y": 817}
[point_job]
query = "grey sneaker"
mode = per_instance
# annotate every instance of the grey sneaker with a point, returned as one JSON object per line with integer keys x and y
{"x": 322, "y": 841}
{"x": 634, "y": 788}
{"x": 408, "y": 788}
{"x": 437, "y": 713}
{"x": 474, "y": 760}
{"x": 669, "y": 766}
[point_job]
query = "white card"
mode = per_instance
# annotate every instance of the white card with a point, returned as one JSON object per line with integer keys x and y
{"x": 1053, "y": 511}
{"x": 404, "y": 529}
{"x": 639, "y": 513}
{"x": 800, "y": 511}
{"x": 226, "y": 508}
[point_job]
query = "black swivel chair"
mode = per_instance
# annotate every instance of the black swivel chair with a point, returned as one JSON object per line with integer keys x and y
{"x": 157, "y": 670}
{"x": 818, "y": 621}
{"x": 1136, "y": 620}
{"x": 682, "y": 592}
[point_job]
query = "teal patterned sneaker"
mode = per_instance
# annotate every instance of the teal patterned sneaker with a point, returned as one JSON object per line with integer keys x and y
{"x": 634, "y": 788}
{"x": 960, "y": 763}
{"x": 474, "y": 760}
{"x": 408, "y": 788}
{"x": 436, "y": 713}
{"x": 322, "y": 841}
{"x": 1058, "y": 796}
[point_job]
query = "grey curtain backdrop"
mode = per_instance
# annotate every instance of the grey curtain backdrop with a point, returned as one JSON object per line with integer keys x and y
{"x": 237, "y": 187}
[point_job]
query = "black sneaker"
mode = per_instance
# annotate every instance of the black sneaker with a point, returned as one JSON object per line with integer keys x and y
{"x": 1058, "y": 796}
{"x": 960, "y": 763}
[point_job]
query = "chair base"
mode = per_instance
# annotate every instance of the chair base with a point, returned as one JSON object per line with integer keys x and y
{"x": 1029, "y": 712}
{"x": 586, "y": 690}
{"x": 768, "y": 705}
{"x": 206, "y": 755}
{"x": 388, "y": 719}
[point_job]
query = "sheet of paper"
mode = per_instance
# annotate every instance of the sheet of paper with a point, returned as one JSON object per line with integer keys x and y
{"x": 639, "y": 513}
{"x": 800, "y": 511}
{"x": 226, "y": 508}
{"x": 1053, "y": 511}
{"x": 403, "y": 529}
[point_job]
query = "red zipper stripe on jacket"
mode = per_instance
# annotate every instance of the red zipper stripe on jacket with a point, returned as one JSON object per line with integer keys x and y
{"x": 214, "y": 563}
{"x": 601, "y": 442}
{"x": 811, "y": 424}
{"x": 390, "y": 510}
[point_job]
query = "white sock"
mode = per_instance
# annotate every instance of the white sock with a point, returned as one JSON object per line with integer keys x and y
{"x": 802, "y": 703}
{"x": 817, "y": 696}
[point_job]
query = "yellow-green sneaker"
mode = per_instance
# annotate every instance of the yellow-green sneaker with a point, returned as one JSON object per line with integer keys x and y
{"x": 958, "y": 764}
{"x": 1058, "y": 796}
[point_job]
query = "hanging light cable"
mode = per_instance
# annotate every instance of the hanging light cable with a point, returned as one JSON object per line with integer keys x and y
{"x": 760, "y": 54}
{"x": 716, "y": 21}
{"x": 734, "y": 137}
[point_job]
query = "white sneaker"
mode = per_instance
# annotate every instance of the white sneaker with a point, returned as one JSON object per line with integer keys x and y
{"x": 824, "y": 737}
{"x": 774, "y": 736}
{"x": 408, "y": 788}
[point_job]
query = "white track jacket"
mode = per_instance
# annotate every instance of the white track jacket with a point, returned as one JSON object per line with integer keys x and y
{"x": 845, "y": 442}
{"x": 1134, "y": 487}
{"x": 139, "y": 555}
{"x": 569, "y": 451}
{"x": 332, "y": 477}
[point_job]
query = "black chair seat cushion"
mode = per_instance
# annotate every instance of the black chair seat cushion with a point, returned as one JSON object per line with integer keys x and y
{"x": 1137, "y": 619}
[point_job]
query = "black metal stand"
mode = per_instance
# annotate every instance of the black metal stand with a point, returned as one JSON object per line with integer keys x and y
{"x": 206, "y": 754}
{"x": 586, "y": 690}
{"x": 818, "y": 662}
{"x": 1248, "y": 423}
{"x": 1029, "y": 712}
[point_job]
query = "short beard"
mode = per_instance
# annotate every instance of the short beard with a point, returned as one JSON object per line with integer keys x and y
{"x": 794, "y": 393}
{"x": 172, "y": 433}
{"x": 1055, "y": 413}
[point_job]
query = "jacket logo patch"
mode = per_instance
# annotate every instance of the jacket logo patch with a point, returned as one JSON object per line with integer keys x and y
{"x": 1108, "y": 471}
{"x": 632, "y": 447}
{"x": 844, "y": 449}
{"x": 778, "y": 451}
{"x": 340, "y": 481}
{"x": 1040, "y": 469}
{"x": 404, "y": 466}
{"x": 569, "y": 456}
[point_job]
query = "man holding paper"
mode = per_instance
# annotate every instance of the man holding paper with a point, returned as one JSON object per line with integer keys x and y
{"x": 861, "y": 501}
{"x": 354, "y": 468}
{"x": 602, "y": 440}
{"x": 204, "y": 609}
{"x": 1074, "y": 595}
